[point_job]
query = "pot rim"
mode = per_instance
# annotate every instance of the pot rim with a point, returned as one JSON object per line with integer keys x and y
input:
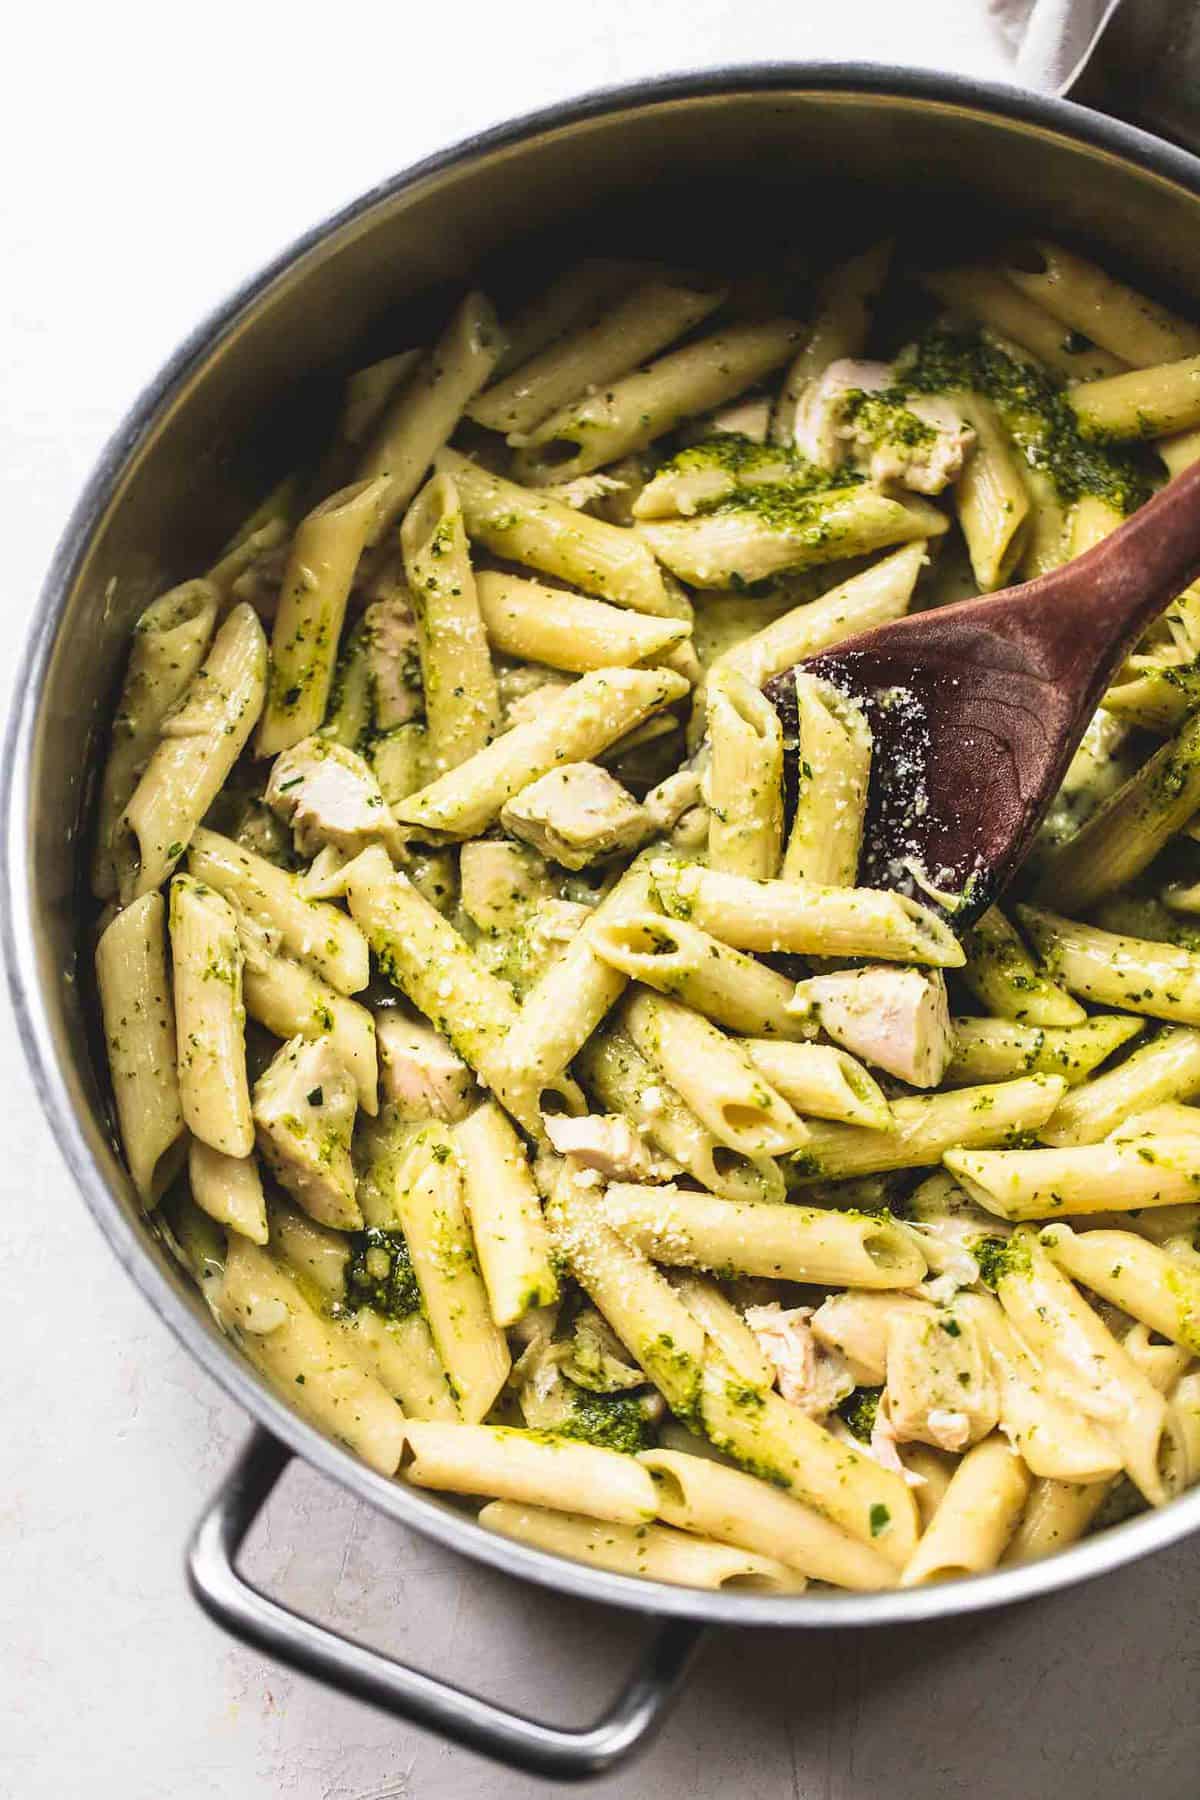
{"x": 406, "y": 1505}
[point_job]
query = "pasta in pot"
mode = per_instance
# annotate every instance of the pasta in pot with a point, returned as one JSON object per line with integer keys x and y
{"x": 500, "y": 1033}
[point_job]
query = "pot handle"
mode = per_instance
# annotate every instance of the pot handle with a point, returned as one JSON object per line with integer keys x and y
{"x": 265, "y": 1624}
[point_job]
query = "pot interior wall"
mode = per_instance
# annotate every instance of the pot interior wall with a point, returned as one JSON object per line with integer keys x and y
{"x": 722, "y": 179}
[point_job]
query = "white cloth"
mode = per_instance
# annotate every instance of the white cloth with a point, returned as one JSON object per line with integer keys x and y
{"x": 1051, "y": 40}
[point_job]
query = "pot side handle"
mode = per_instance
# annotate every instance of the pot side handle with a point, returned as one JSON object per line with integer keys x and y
{"x": 265, "y": 1624}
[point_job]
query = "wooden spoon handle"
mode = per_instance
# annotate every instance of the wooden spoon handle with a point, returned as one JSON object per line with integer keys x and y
{"x": 1112, "y": 593}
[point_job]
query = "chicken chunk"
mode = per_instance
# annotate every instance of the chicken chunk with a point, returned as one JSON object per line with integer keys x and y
{"x": 304, "y": 1104}
{"x": 856, "y": 1325}
{"x": 950, "y": 1225}
{"x": 940, "y": 1386}
{"x": 809, "y": 1374}
{"x": 421, "y": 1075}
{"x": 329, "y": 796}
{"x": 896, "y": 1018}
{"x": 577, "y": 814}
{"x": 853, "y": 412}
{"x": 609, "y": 1144}
{"x": 394, "y": 663}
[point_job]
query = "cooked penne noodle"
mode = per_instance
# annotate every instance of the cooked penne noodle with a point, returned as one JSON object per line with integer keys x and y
{"x": 641, "y": 323}
{"x": 1142, "y": 1279}
{"x": 713, "y": 1075}
{"x": 784, "y": 1446}
{"x": 724, "y": 1324}
{"x": 804, "y": 918}
{"x": 679, "y": 959}
{"x": 1051, "y": 1438}
{"x": 569, "y": 631}
{"x": 400, "y": 1354}
{"x": 462, "y": 706}
{"x": 197, "y": 747}
{"x": 321, "y": 562}
{"x": 822, "y": 1082}
{"x": 1163, "y": 1069}
{"x": 422, "y": 415}
{"x": 512, "y": 1243}
{"x": 647, "y": 1315}
{"x": 434, "y": 967}
{"x": 1117, "y": 1175}
{"x": 747, "y": 544}
{"x": 924, "y": 1128}
{"x": 206, "y": 964}
{"x": 564, "y": 1007}
{"x": 533, "y": 1468}
{"x": 623, "y": 1081}
{"x": 1126, "y": 833}
{"x": 831, "y": 802}
{"x": 1127, "y": 324}
{"x": 744, "y": 780}
{"x": 653, "y": 1551}
{"x": 170, "y": 639}
{"x": 316, "y": 933}
{"x": 523, "y": 527}
{"x": 139, "y": 1037}
{"x": 1137, "y": 974}
{"x": 699, "y": 1495}
{"x": 628, "y": 415}
{"x": 264, "y": 1311}
{"x": 875, "y": 597}
{"x": 976, "y": 1518}
{"x": 1002, "y": 974}
{"x": 229, "y": 1189}
{"x": 585, "y": 718}
{"x": 570, "y": 300}
{"x": 788, "y": 1243}
{"x": 430, "y": 1206}
{"x": 1143, "y": 403}
{"x": 991, "y": 497}
{"x": 996, "y": 1049}
{"x": 1090, "y": 1369}
{"x": 985, "y": 293}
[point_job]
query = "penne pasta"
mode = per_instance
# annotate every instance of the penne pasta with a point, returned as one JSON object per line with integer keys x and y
{"x": 569, "y": 631}
{"x": 512, "y": 1243}
{"x": 653, "y": 1551}
{"x": 925, "y": 1128}
{"x": 206, "y": 964}
{"x": 1137, "y": 974}
{"x": 139, "y": 1037}
{"x": 744, "y": 780}
{"x": 528, "y": 1467}
{"x": 1165, "y": 1068}
{"x": 679, "y": 959}
{"x": 977, "y": 1516}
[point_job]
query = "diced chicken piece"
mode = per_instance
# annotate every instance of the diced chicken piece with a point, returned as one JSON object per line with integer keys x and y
{"x": 810, "y": 1375}
{"x": 607, "y": 1143}
{"x": 577, "y": 814}
{"x": 940, "y": 1386}
{"x": 666, "y": 804}
{"x": 856, "y": 1325}
{"x": 585, "y": 490}
{"x": 851, "y": 412}
{"x": 330, "y": 796}
{"x": 896, "y": 1018}
{"x": 421, "y": 1075}
{"x": 304, "y": 1105}
{"x": 883, "y": 1447}
{"x": 394, "y": 663}
{"x": 499, "y": 882}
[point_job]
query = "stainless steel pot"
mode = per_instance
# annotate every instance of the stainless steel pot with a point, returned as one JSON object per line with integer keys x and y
{"x": 724, "y": 163}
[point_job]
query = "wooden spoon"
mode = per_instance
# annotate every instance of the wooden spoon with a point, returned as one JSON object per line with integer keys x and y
{"x": 977, "y": 708}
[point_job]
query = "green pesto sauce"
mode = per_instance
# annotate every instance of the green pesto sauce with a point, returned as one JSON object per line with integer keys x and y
{"x": 733, "y": 453}
{"x": 380, "y": 1273}
{"x": 613, "y": 1421}
{"x": 884, "y": 419}
{"x": 1035, "y": 410}
{"x": 998, "y": 1257}
{"x": 858, "y": 1412}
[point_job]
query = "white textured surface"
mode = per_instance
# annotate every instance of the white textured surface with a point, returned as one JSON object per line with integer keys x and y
{"x": 153, "y": 157}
